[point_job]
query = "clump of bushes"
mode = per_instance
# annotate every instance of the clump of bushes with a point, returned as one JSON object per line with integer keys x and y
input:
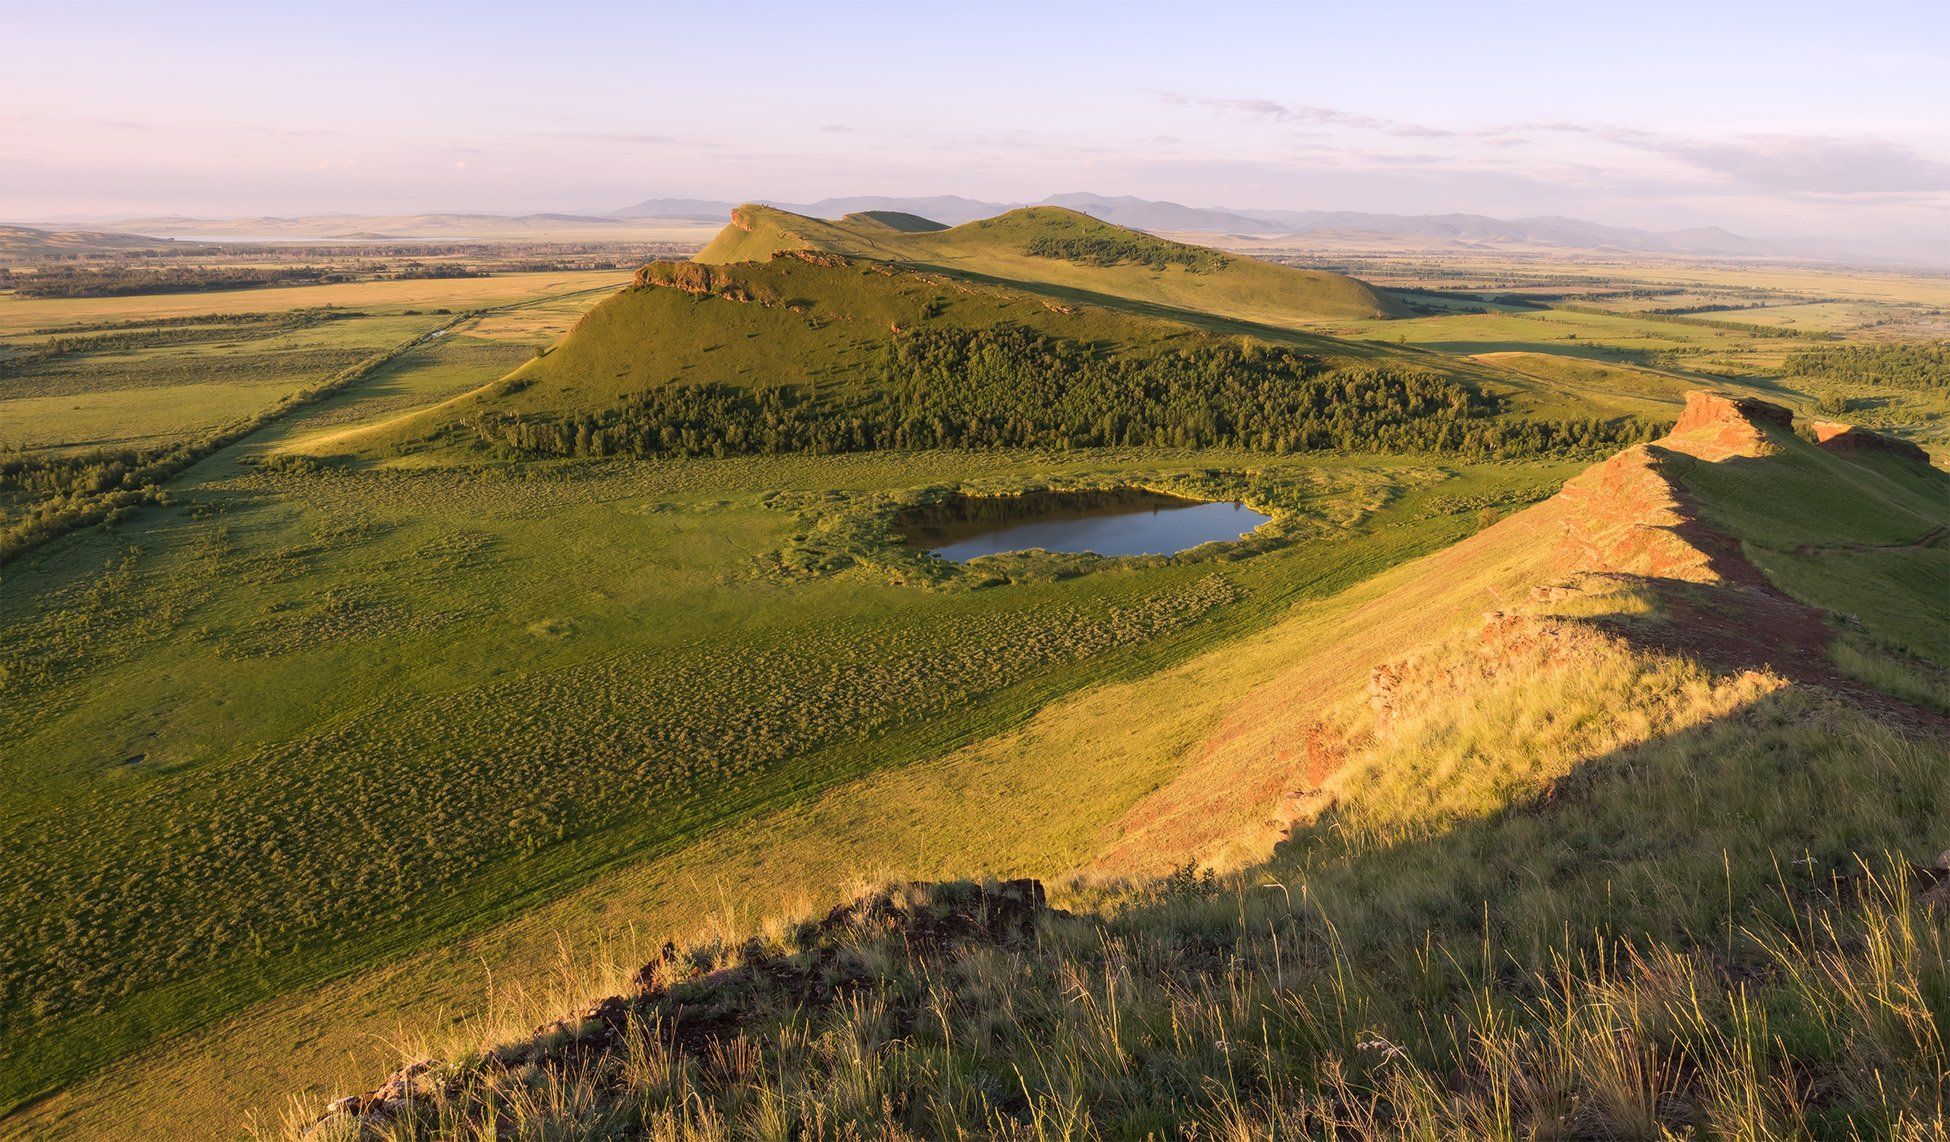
{"x": 1125, "y": 249}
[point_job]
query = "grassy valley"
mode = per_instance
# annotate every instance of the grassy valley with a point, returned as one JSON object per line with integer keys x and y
{"x": 392, "y": 665}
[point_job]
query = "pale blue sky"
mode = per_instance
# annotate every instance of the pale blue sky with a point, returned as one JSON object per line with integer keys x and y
{"x": 1769, "y": 118}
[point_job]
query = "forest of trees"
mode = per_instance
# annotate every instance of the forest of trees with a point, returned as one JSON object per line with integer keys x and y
{"x": 1011, "y": 388}
{"x": 124, "y": 281}
{"x": 42, "y": 497}
{"x": 1920, "y": 364}
{"x": 1117, "y": 250}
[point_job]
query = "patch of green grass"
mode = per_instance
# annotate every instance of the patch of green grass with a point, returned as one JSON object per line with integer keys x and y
{"x": 1557, "y": 385}
{"x": 1892, "y": 671}
{"x": 150, "y": 395}
{"x": 338, "y": 776}
{"x": 458, "y": 362}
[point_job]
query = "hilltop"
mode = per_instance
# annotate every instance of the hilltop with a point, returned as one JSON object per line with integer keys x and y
{"x": 1352, "y": 230}
{"x": 32, "y": 243}
{"x": 1068, "y": 254}
{"x": 1619, "y": 817}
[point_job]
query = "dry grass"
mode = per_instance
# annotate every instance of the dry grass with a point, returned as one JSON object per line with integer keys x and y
{"x": 1692, "y": 918}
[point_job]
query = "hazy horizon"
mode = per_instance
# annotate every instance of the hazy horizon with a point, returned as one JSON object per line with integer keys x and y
{"x": 1660, "y": 118}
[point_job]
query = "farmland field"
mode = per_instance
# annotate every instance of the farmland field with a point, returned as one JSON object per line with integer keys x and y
{"x": 180, "y": 374}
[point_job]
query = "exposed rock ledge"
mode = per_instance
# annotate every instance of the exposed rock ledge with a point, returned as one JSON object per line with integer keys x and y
{"x": 1837, "y": 437}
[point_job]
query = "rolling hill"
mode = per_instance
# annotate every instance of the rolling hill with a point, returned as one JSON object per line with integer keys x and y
{"x": 29, "y": 243}
{"x": 1615, "y": 819}
{"x": 1068, "y": 254}
{"x": 1042, "y": 328}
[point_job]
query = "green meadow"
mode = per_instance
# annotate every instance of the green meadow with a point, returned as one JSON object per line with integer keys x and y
{"x": 314, "y": 721}
{"x": 426, "y": 645}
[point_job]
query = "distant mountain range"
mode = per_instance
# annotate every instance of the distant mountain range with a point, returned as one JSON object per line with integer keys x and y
{"x": 1339, "y": 228}
{"x": 695, "y": 220}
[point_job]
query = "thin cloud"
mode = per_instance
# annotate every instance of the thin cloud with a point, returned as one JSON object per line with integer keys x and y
{"x": 1306, "y": 113}
{"x": 1783, "y": 164}
{"x": 1813, "y": 164}
{"x": 629, "y": 137}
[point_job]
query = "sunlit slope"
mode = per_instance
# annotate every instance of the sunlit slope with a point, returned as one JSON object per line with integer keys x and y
{"x": 1733, "y": 541}
{"x": 816, "y": 323}
{"x": 1069, "y": 255}
{"x": 1548, "y": 384}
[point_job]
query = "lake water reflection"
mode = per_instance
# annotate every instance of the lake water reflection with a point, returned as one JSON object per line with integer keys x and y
{"x": 1127, "y": 521}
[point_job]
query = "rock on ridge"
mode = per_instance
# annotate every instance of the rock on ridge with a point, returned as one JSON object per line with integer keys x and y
{"x": 1716, "y": 426}
{"x": 1838, "y": 437}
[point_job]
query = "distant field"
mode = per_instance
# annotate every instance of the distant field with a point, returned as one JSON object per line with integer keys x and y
{"x": 22, "y": 315}
{"x": 164, "y": 382}
{"x": 213, "y": 376}
{"x": 1545, "y": 331}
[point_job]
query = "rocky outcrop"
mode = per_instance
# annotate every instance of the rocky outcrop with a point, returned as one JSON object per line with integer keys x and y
{"x": 689, "y": 1002}
{"x": 1625, "y": 516}
{"x": 1626, "y": 524}
{"x": 1846, "y": 438}
{"x": 1716, "y": 426}
{"x": 709, "y": 280}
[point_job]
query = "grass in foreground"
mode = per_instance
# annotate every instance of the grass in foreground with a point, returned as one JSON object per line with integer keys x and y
{"x": 1620, "y": 952}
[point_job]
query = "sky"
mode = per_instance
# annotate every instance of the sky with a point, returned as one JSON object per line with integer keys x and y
{"x": 1777, "y": 119}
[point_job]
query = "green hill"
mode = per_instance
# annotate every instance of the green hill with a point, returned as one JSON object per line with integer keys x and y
{"x": 810, "y": 350}
{"x": 1068, "y": 255}
{"x": 894, "y": 220}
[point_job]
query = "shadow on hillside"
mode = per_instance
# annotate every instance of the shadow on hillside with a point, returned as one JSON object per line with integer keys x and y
{"x": 1480, "y": 959}
{"x": 1693, "y": 840}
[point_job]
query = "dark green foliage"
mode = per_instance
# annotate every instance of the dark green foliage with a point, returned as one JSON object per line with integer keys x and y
{"x": 1117, "y": 249}
{"x": 1009, "y": 387}
{"x": 42, "y": 497}
{"x": 124, "y": 281}
{"x": 1917, "y": 363}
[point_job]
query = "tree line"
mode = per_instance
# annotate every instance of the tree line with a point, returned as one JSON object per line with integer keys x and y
{"x": 124, "y": 281}
{"x": 1014, "y": 388}
{"x": 1918, "y": 364}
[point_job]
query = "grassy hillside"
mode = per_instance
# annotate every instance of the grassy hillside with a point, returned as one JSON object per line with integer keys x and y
{"x": 819, "y": 352}
{"x": 1611, "y": 859}
{"x": 1067, "y": 255}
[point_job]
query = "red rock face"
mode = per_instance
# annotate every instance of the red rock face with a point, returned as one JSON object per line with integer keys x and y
{"x": 1717, "y": 427}
{"x": 1837, "y": 437}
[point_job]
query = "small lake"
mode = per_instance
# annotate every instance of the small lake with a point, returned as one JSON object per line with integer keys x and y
{"x": 1127, "y": 521}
